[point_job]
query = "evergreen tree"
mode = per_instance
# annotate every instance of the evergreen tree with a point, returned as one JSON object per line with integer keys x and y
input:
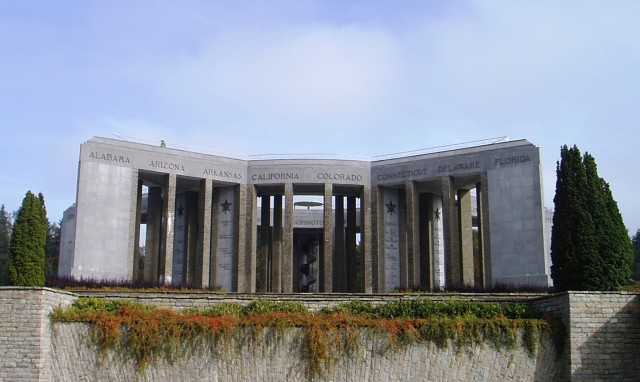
{"x": 5, "y": 238}
{"x": 28, "y": 239}
{"x": 614, "y": 247}
{"x": 622, "y": 254}
{"x": 52, "y": 249}
{"x": 635, "y": 241}
{"x": 590, "y": 247}
{"x": 573, "y": 244}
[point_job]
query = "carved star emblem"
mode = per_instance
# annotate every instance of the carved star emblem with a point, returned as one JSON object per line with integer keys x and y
{"x": 391, "y": 208}
{"x": 180, "y": 210}
{"x": 436, "y": 214}
{"x": 226, "y": 206}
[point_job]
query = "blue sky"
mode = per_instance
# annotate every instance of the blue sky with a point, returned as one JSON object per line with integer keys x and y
{"x": 361, "y": 78}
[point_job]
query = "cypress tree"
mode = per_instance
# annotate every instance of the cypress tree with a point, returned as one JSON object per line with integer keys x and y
{"x": 26, "y": 259}
{"x": 598, "y": 274}
{"x": 52, "y": 249}
{"x": 5, "y": 237}
{"x": 590, "y": 247}
{"x": 621, "y": 254}
{"x": 574, "y": 251}
{"x": 635, "y": 241}
{"x": 614, "y": 246}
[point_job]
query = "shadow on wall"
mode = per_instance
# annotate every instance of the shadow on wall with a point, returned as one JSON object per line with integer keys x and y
{"x": 610, "y": 351}
{"x": 550, "y": 366}
{"x": 556, "y": 366}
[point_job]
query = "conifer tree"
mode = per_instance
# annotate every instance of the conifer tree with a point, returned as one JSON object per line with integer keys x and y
{"x": 5, "y": 237}
{"x": 52, "y": 249}
{"x": 635, "y": 241}
{"x": 26, "y": 259}
{"x": 621, "y": 254}
{"x": 590, "y": 248}
{"x": 573, "y": 244}
{"x": 613, "y": 266}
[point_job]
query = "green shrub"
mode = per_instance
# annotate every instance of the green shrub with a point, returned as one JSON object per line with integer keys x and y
{"x": 355, "y": 307}
{"x": 425, "y": 308}
{"x": 93, "y": 304}
{"x": 218, "y": 310}
{"x": 268, "y": 306}
{"x": 84, "y": 307}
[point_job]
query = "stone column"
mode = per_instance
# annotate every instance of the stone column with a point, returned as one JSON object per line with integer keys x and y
{"x": 327, "y": 255}
{"x": 482, "y": 189}
{"x": 425, "y": 227}
{"x": 366, "y": 238}
{"x": 262, "y": 261}
{"x": 352, "y": 262}
{"x": 276, "y": 242}
{"x": 392, "y": 251}
{"x": 168, "y": 220}
{"x": 466, "y": 237}
{"x": 287, "y": 242}
{"x": 404, "y": 252}
{"x": 451, "y": 234}
{"x": 339, "y": 251}
{"x": 213, "y": 249}
{"x": 377, "y": 201}
{"x": 154, "y": 226}
{"x": 437, "y": 243}
{"x": 135, "y": 228}
{"x": 247, "y": 227}
{"x": 412, "y": 234}
{"x": 204, "y": 234}
{"x": 191, "y": 256}
{"x": 223, "y": 267}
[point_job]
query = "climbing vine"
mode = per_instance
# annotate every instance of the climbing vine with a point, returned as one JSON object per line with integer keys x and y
{"x": 145, "y": 332}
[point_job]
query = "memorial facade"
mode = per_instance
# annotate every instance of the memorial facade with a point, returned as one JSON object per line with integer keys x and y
{"x": 459, "y": 218}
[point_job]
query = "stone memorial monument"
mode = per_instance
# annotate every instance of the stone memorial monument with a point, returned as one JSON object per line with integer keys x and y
{"x": 308, "y": 225}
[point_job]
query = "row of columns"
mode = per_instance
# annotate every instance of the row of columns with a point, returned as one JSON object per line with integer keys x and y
{"x": 250, "y": 271}
{"x": 338, "y": 264}
{"x": 417, "y": 217}
{"x": 466, "y": 268}
{"x": 200, "y": 235}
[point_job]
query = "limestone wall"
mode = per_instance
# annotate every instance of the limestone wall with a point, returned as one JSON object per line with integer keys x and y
{"x": 282, "y": 359}
{"x": 25, "y": 335}
{"x": 603, "y": 343}
{"x": 603, "y": 333}
{"x": 604, "y": 336}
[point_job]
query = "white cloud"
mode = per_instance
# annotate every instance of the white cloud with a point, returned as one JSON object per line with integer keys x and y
{"x": 287, "y": 80}
{"x": 358, "y": 78}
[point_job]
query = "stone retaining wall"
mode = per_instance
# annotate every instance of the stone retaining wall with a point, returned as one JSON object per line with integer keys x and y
{"x": 603, "y": 343}
{"x": 604, "y": 336}
{"x": 25, "y": 335}
{"x": 282, "y": 359}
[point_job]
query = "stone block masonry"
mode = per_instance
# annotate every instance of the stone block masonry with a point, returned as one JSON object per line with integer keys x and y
{"x": 604, "y": 330}
{"x": 25, "y": 333}
{"x": 603, "y": 344}
{"x": 603, "y": 333}
{"x": 281, "y": 358}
